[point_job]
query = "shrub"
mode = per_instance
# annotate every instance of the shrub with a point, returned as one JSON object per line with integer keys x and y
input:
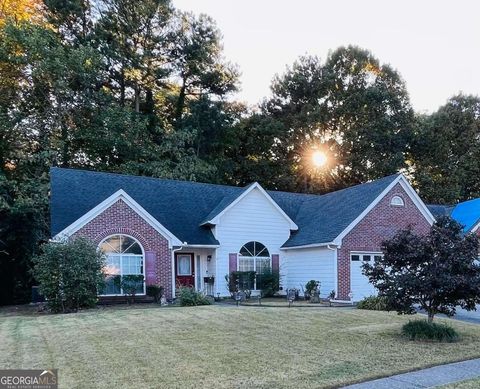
{"x": 374, "y": 303}
{"x": 189, "y": 297}
{"x": 70, "y": 274}
{"x": 155, "y": 291}
{"x": 240, "y": 281}
{"x": 423, "y": 330}
{"x": 131, "y": 285}
{"x": 268, "y": 282}
{"x": 312, "y": 286}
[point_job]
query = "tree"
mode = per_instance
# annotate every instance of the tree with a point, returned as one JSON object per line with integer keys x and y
{"x": 353, "y": 108}
{"x": 445, "y": 155}
{"x": 70, "y": 274}
{"x": 198, "y": 62}
{"x": 437, "y": 272}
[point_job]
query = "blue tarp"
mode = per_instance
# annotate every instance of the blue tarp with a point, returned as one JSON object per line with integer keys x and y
{"x": 467, "y": 214}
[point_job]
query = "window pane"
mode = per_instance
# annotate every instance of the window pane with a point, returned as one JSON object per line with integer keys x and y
{"x": 133, "y": 249}
{"x": 113, "y": 264}
{"x": 132, "y": 264}
{"x": 263, "y": 265}
{"x": 261, "y": 250}
{"x": 248, "y": 250}
{"x": 111, "y": 245}
{"x": 377, "y": 257}
{"x": 126, "y": 243}
{"x": 355, "y": 257}
{"x": 245, "y": 264}
{"x": 112, "y": 284}
{"x": 367, "y": 257}
{"x": 184, "y": 265}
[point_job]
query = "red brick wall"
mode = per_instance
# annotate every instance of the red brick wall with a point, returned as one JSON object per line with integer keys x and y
{"x": 121, "y": 219}
{"x": 381, "y": 223}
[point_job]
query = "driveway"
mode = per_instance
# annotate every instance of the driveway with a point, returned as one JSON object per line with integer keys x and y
{"x": 464, "y": 315}
{"x": 472, "y": 316}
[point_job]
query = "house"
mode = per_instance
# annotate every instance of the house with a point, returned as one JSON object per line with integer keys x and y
{"x": 194, "y": 233}
{"x": 466, "y": 213}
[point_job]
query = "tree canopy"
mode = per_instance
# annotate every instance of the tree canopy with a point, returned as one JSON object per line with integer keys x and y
{"x": 144, "y": 88}
{"x": 437, "y": 272}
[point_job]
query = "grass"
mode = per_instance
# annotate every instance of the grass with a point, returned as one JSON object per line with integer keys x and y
{"x": 468, "y": 384}
{"x": 221, "y": 346}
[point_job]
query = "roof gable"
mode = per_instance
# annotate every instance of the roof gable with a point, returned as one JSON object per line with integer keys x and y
{"x": 230, "y": 201}
{"x": 107, "y": 203}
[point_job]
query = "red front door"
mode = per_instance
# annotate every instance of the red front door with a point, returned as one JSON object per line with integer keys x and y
{"x": 184, "y": 269}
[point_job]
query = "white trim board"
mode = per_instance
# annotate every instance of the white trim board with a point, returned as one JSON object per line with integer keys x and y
{"x": 308, "y": 246}
{"x": 107, "y": 203}
{"x": 408, "y": 190}
{"x": 255, "y": 185}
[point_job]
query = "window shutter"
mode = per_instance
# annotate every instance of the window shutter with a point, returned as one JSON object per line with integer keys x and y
{"x": 275, "y": 263}
{"x": 150, "y": 266}
{"x": 232, "y": 262}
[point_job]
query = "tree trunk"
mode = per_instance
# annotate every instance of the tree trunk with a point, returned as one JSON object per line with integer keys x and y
{"x": 430, "y": 317}
{"x": 137, "y": 99}
{"x": 180, "y": 103}
{"x": 122, "y": 88}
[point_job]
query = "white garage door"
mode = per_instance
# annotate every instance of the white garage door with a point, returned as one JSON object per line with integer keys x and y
{"x": 359, "y": 285}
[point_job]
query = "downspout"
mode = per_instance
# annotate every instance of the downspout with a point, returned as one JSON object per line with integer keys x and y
{"x": 335, "y": 269}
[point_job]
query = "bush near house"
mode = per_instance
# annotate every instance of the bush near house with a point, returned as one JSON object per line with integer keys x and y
{"x": 240, "y": 281}
{"x": 131, "y": 285}
{"x": 374, "y": 303}
{"x": 155, "y": 291}
{"x": 70, "y": 274}
{"x": 189, "y": 297}
{"x": 268, "y": 282}
{"x": 424, "y": 330}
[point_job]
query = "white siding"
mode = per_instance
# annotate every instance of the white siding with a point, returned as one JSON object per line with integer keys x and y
{"x": 253, "y": 218}
{"x": 303, "y": 265}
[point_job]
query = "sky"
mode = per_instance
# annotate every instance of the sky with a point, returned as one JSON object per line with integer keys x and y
{"x": 434, "y": 44}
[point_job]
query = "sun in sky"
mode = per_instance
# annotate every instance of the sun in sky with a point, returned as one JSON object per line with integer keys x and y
{"x": 319, "y": 158}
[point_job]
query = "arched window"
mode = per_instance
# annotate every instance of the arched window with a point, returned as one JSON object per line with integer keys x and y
{"x": 397, "y": 201}
{"x": 254, "y": 257}
{"x": 124, "y": 258}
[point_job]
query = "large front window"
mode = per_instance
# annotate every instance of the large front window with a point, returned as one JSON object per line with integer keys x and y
{"x": 124, "y": 258}
{"x": 254, "y": 257}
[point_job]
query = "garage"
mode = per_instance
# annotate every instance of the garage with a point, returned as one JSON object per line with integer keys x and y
{"x": 360, "y": 287}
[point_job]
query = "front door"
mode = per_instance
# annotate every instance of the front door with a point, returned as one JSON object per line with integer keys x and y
{"x": 184, "y": 269}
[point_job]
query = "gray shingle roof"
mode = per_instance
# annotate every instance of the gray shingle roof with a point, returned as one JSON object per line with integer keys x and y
{"x": 440, "y": 210}
{"x": 182, "y": 206}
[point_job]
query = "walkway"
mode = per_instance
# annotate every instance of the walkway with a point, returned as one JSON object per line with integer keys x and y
{"x": 426, "y": 378}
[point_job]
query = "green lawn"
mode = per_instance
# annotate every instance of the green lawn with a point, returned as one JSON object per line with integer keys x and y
{"x": 221, "y": 346}
{"x": 468, "y": 384}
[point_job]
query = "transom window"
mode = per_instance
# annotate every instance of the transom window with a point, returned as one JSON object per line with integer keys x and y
{"x": 124, "y": 258}
{"x": 397, "y": 201}
{"x": 254, "y": 257}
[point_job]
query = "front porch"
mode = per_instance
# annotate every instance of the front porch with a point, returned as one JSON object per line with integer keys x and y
{"x": 195, "y": 266}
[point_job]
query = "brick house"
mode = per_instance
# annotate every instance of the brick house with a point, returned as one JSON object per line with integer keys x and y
{"x": 181, "y": 232}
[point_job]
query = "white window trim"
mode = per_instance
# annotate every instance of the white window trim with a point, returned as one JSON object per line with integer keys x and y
{"x": 120, "y": 255}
